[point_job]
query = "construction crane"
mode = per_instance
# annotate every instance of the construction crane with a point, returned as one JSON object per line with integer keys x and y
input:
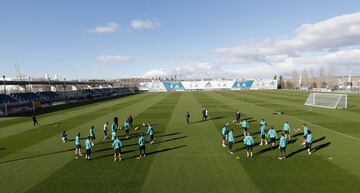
{"x": 18, "y": 72}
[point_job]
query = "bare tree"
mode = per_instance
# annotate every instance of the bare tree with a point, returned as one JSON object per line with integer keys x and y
{"x": 330, "y": 77}
{"x": 305, "y": 77}
{"x": 295, "y": 76}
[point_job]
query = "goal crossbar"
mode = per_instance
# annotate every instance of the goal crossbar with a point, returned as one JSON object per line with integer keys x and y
{"x": 327, "y": 100}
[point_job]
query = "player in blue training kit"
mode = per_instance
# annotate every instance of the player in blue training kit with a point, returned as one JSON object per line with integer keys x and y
{"x": 286, "y": 130}
{"x": 282, "y": 146}
{"x": 151, "y": 133}
{"x": 309, "y": 140}
{"x": 77, "y": 146}
{"x": 231, "y": 140}
{"x": 263, "y": 135}
{"x": 142, "y": 143}
{"x": 245, "y": 126}
{"x": 306, "y": 129}
{"x": 92, "y": 135}
{"x": 263, "y": 122}
{"x": 88, "y": 147}
{"x": 272, "y": 135}
{"x": 114, "y": 127}
{"x": 263, "y": 126}
{"x": 249, "y": 142}
{"x": 224, "y": 133}
{"x": 117, "y": 149}
{"x": 127, "y": 130}
{"x": 105, "y": 128}
{"x": 113, "y": 136}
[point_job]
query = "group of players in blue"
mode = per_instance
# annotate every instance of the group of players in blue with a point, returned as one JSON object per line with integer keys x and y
{"x": 115, "y": 139}
{"x": 228, "y": 138}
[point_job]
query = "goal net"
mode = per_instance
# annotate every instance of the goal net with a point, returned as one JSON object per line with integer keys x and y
{"x": 327, "y": 100}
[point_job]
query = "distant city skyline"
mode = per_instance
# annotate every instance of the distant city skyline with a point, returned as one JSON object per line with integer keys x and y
{"x": 200, "y": 39}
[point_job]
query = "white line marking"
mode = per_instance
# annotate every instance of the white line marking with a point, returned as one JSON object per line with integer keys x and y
{"x": 342, "y": 134}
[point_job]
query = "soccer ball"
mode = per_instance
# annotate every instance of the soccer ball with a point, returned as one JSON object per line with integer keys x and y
{"x": 234, "y": 121}
{"x": 143, "y": 124}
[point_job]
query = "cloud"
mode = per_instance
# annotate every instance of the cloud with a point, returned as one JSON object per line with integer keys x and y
{"x": 110, "y": 27}
{"x": 161, "y": 72}
{"x": 332, "y": 43}
{"x": 201, "y": 69}
{"x": 329, "y": 35}
{"x": 340, "y": 62}
{"x": 144, "y": 23}
{"x": 114, "y": 59}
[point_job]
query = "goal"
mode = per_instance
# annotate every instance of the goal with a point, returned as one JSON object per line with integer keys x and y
{"x": 327, "y": 100}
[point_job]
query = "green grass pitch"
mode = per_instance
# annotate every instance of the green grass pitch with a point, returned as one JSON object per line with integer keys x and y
{"x": 184, "y": 158}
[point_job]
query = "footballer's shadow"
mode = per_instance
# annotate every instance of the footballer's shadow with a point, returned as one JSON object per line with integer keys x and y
{"x": 136, "y": 156}
{"x": 320, "y": 139}
{"x": 250, "y": 119}
{"x": 210, "y": 119}
{"x": 161, "y": 151}
{"x": 266, "y": 150}
{"x": 256, "y": 133}
{"x": 304, "y": 148}
{"x": 36, "y": 156}
{"x": 297, "y": 134}
{"x": 74, "y": 139}
{"x": 123, "y": 137}
{"x": 239, "y": 149}
{"x": 136, "y": 144}
{"x": 321, "y": 146}
{"x": 112, "y": 154}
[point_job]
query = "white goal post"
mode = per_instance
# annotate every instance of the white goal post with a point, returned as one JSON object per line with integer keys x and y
{"x": 327, "y": 100}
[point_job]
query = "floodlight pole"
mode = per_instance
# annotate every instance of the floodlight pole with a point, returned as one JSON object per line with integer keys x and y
{"x": 30, "y": 83}
{"x": 49, "y": 83}
{"x": 4, "y": 84}
{"x": 65, "y": 87}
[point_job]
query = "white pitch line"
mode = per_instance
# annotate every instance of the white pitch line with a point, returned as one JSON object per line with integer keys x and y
{"x": 345, "y": 135}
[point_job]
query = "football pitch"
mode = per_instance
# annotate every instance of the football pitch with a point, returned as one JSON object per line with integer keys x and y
{"x": 185, "y": 158}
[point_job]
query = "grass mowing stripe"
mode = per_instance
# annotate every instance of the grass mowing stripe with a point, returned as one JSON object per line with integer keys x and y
{"x": 345, "y": 155}
{"x": 84, "y": 127}
{"x": 203, "y": 166}
{"x": 16, "y": 173}
{"x": 338, "y": 114}
{"x": 4, "y": 121}
{"x": 334, "y": 113}
{"x": 225, "y": 168}
{"x": 38, "y": 134}
{"x": 162, "y": 163}
{"x": 263, "y": 170}
{"x": 331, "y": 130}
{"x": 51, "y": 118}
{"x": 125, "y": 176}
